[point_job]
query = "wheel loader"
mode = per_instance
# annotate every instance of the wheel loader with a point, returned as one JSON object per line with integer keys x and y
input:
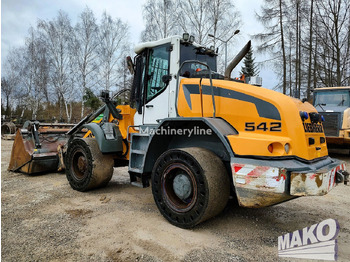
{"x": 200, "y": 138}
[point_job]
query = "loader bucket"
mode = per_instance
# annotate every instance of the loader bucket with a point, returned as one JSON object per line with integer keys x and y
{"x": 35, "y": 149}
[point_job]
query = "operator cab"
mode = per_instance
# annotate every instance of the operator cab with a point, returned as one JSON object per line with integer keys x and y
{"x": 333, "y": 103}
{"x": 157, "y": 65}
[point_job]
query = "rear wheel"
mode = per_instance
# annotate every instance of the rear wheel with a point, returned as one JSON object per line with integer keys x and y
{"x": 86, "y": 167}
{"x": 189, "y": 186}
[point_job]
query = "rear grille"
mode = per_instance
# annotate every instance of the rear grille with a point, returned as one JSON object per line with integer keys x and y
{"x": 332, "y": 123}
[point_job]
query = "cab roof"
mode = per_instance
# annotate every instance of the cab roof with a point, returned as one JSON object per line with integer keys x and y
{"x": 142, "y": 46}
{"x": 333, "y": 88}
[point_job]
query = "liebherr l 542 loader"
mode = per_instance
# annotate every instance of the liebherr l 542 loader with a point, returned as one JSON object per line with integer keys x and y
{"x": 201, "y": 137}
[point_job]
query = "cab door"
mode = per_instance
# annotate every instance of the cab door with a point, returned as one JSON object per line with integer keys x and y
{"x": 150, "y": 86}
{"x": 156, "y": 98}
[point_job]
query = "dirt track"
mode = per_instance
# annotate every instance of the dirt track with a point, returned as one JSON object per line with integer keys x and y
{"x": 43, "y": 219}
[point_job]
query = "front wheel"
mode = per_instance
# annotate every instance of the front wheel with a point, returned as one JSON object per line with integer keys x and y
{"x": 86, "y": 167}
{"x": 190, "y": 185}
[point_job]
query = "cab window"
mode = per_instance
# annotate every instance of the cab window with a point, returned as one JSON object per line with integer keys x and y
{"x": 332, "y": 98}
{"x": 158, "y": 66}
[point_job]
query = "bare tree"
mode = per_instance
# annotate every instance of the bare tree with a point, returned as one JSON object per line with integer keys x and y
{"x": 224, "y": 18}
{"x": 10, "y": 82}
{"x": 6, "y": 90}
{"x": 113, "y": 41}
{"x": 297, "y": 48}
{"x": 160, "y": 19}
{"x": 273, "y": 16}
{"x": 60, "y": 62}
{"x": 309, "y": 75}
{"x": 317, "y": 41}
{"x": 164, "y": 18}
{"x": 34, "y": 75}
{"x": 333, "y": 33}
{"x": 202, "y": 17}
{"x": 197, "y": 17}
{"x": 194, "y": 17}
{"x": 58, "y": 36}
{"x": 85, "y": 56}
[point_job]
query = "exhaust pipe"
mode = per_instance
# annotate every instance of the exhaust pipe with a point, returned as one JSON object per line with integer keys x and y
{"x": 236, "y": 60}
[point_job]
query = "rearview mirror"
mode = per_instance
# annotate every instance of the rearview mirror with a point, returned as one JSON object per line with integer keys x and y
{"x": 166, "y": 79}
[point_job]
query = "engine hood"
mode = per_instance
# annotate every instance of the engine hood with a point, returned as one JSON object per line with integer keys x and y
{"x": 262, "y": 117}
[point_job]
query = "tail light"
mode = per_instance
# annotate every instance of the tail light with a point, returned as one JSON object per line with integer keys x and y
{"x": 270, "y": 148}
{"x": 278, "y": 149}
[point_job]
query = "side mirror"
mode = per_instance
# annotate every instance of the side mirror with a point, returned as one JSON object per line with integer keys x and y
{"x": 166, "y": 79}
{"x": 130, "y": 65}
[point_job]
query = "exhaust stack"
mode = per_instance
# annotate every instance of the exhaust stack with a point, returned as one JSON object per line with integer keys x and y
{"x": 236, "y": 60}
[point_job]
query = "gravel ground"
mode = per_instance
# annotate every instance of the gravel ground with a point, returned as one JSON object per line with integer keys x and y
{"x": 43, "y": 219}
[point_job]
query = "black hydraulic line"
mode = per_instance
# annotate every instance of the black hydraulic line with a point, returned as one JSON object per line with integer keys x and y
{"x": 108, "y": 102}
{"x": 86, "y": 119}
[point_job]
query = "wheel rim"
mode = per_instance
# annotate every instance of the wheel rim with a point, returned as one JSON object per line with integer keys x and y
{"x": 79, "y": 165}
{"x": 179, "y": 187}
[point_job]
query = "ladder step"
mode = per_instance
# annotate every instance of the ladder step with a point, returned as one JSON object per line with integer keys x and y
{"x": 139, "y": 134}
{"x": 137, "y": 184}
{"x": 135, "y": 170}
{"x": 138, "y": 151}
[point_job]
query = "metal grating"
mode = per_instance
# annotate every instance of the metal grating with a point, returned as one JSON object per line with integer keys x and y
{"x": 332, "y": 123}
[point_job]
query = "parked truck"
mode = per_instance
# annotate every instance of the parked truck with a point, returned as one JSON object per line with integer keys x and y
{"x": 333, "y": 103}
{"x": 199, "y": 137}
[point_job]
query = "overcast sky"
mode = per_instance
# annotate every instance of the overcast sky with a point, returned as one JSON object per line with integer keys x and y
{"x": 18, "y": 15}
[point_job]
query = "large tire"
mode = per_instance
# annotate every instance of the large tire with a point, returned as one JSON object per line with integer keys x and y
{"x": 86, "y": 167}
{"x": 190, "y": 185}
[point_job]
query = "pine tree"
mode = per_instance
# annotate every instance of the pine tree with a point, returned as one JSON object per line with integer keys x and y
{"x": 249, "y": 69}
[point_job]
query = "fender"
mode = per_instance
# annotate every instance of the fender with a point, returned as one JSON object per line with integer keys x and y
{"x": 216, "y": 142}
{"x": 108, "y": 137}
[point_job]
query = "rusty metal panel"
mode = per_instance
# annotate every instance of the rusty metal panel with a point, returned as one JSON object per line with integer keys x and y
{"x": 314, "y": 184}
{"x": 271, "y": 179}
{"x": 259, "y": 186}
